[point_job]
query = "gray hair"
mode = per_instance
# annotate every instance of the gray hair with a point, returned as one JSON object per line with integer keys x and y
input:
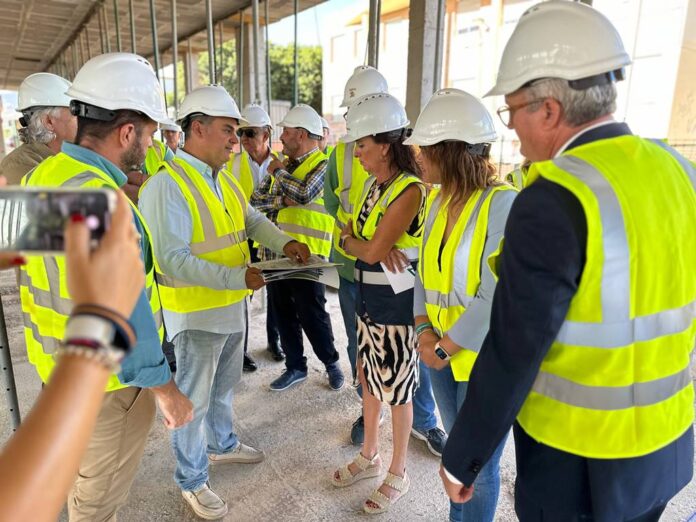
{"x": 36, "y": 131}
{"x": 579, "y": 107}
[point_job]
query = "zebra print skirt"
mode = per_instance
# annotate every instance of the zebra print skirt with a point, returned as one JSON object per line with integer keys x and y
{"x": 388, "y": 356}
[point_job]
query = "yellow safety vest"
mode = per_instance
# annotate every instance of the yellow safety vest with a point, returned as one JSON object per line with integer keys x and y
{"x": 449, "y": 294}
{"x": 517, "y": 178}
{"x": 238, "y": 165}
{"x": 310, "y": 223}
{"x": 46, "y": 303}
{"x": 407, "y": 241}
{"x": 616, "y": 381}
{"x": 351, "y": 180}
{"x": 155, "y": 157}
{"x": 219, "y": 236}
{"x": 329, "y": 150}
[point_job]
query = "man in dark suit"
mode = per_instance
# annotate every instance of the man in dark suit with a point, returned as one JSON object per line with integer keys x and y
{"x": 592, "y": 325}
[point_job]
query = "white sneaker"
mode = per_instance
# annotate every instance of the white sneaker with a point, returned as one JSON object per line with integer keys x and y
{"x": 242, "y": 454}
{"x": 206, "y": 503}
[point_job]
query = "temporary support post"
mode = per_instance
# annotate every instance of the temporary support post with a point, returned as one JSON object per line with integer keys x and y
{"x": 295, "y": 93}
{"x": 155, "y": 45}
{"x": 101, "y": 32}
{"x": 255, "y": 39}
{"x": 118, "y": 27}
{"x": 132, "y": 25}
{"x": 373, "y": 33}
{"x": 268, "y": 59}
{"x": 240, "y": 58}
{"x": 89, "y": 47}
{"x": 175, "y": 59}
{"x": 439, "y": 44}
{"x": 211, "y": 40}
{"x": 75, "y": 61}
{"x": 81, "y": 43}
{"x": 221, "y": 51}
{"x": 107, "y": 36}
{"x": 8, "y": 380}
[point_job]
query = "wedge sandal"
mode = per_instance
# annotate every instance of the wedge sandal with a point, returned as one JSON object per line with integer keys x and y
{"x": 368, "y": 469}
{"x": 382, "y": 501}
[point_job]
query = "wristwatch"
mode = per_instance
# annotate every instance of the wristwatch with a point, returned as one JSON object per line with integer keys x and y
{"x": 342, "y": 241}
{"x": 441, "y": 352}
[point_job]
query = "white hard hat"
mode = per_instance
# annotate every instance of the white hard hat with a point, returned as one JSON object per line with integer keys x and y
{"x": 452, "y": 114}
{"x": 374, "y": 114}
{"x": 305, "y": 117}
{"x": 255, "y": 116}
{"x": 118, "y": 81}
{"x": 211, "y": 100}
{"x": 364, "y": 80}
{"x": 324, "y": 123}
{"x": 169, "y": 125}
{"x": 561, "y": 39}
{"x": 43, "y": 90}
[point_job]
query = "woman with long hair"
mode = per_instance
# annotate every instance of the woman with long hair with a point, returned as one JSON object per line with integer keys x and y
{"x": 454, "y": 288}
{"x": 385, "y": 230}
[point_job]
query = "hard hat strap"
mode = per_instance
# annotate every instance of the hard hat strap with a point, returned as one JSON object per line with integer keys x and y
{"x": 85, "y": 110}
{"x": 598, "y": 79}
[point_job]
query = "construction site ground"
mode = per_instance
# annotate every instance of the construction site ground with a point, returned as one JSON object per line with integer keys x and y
{"x": 304, "y": 432}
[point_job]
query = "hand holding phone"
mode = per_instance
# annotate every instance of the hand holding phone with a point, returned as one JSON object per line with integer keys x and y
{"x": 32, "y": 220}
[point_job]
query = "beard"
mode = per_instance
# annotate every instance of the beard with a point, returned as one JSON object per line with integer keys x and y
{"x": 134, "y": 157}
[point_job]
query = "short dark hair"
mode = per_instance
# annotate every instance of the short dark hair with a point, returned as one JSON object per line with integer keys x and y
{"x": 100, "y": 129}
{"x": 188, "y": 121}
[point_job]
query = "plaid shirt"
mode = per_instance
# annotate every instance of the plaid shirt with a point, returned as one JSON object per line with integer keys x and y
{"x": 268, "y": 196}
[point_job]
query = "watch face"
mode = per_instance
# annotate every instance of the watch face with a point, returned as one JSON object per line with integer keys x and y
{"x": 442, "y": 354}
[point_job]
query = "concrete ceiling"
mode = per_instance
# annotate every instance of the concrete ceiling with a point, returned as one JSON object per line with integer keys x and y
{"x": 34, "y": 33}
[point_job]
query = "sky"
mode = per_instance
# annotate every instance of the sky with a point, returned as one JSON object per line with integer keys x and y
{"x": 312, "y": 20}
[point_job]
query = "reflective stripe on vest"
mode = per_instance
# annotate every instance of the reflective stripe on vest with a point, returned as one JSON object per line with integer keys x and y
{"x": 154, "y": 157}
{"x": 616, "y": 382}
{"x": 218, "y": 236}
{"x": 311, "y": 223}
{"x": 240, "y": 169}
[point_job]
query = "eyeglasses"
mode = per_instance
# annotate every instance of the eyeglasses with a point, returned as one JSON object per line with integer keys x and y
{"x": 249, "y": 133}
{"x": 506, "y": 112}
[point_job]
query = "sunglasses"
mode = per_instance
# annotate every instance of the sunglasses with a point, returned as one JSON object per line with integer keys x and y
{"x": 249, "y": 133}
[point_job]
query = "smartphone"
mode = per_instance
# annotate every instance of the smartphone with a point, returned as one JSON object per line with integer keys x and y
{"x": 33, "y": 219}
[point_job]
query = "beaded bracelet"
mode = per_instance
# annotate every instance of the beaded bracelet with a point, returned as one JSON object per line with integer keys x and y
{"x": 108, "y": 357}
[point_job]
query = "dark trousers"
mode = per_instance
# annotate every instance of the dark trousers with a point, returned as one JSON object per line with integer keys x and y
{"x": 272, "y": 335}
{"x": 301, "y": 305}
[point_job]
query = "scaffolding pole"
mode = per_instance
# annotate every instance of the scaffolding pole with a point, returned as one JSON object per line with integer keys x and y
{"x": 155, "y": 45}
{"x": 101, "y": 32}
{"x": 211, "y": 40}
{"x": 118, "y": 26}
{"x": 240, "y": 59}
{"x": 107, "y": 36}
{"x": 268, "y": 59}
{"x": 255, "y": 40}
{"x": 295, "y": 93}
{"x": 131, "y": 18}
{"x": 221, "y": 52}
{"x": 373, "y": 33}
{"x": 175, "y": 59}
{"x": 8, "y": 380}
{"x": 439, "y": 44}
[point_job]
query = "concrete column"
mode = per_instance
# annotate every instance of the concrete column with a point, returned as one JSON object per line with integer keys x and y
{"x": 251, "y": 93}
{"x": 422, "y": 52}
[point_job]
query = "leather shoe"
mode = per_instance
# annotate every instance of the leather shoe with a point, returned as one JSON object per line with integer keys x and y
{"x": 249, "y": 364}
{"x": 276, "y": 353}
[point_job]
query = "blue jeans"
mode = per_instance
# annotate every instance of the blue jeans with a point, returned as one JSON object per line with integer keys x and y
{"x": 423, "y": 402}
{"x": 209, "y": 365}
{"x": 450, "y": 396}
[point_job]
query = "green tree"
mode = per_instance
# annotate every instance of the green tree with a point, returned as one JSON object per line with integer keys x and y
{"x": 282, "y": 72}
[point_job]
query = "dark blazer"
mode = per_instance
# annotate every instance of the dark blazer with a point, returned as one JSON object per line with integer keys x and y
{"x": 545, "y": 240}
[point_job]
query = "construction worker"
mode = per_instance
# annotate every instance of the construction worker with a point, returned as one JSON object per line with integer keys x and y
{"x": 249, "y": 167}
{"x": 200, "y": 222}
{"x": 464, "y": 226}
{"x": 171, "y": 132}
{"x": 324, "y": 142}
{"x": 344, "y": 182}
{"x": 46, "y": 122}
{"x": 292, "y": 198}
{"x": 157, "y": 153}
{"x": 117, "y": 100}
{"x": 593, "y": 321}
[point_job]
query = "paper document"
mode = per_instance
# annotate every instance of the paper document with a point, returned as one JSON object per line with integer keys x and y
{"x": 401, "y": 281}
{"x": 316, "y": 269}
